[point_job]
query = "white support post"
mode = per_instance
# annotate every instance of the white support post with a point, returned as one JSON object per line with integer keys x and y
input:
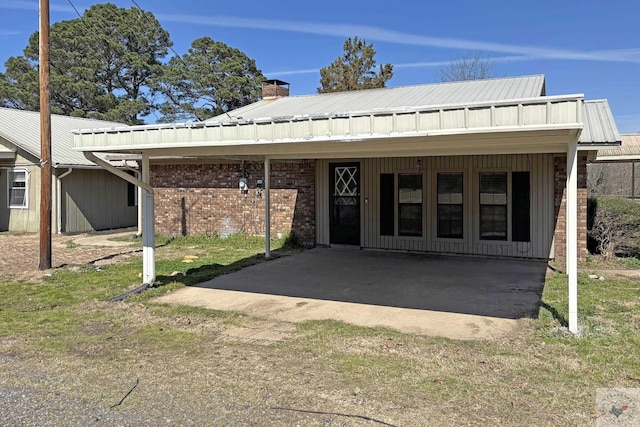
{"x": 148, "y": 228}
{"x": 267, "y": 209}
{"x": 572, "y": 233}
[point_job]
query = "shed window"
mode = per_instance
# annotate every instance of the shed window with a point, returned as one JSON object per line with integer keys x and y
{"x": 410, "y": 204}
{"x": 493, "y": 206}
{"x": 450, "y": 206}
{"x": 132, "y": 192}
{"x": 18, "y": 184}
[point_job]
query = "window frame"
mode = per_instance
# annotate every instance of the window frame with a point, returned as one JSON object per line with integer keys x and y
{"x": 11, "y": 188}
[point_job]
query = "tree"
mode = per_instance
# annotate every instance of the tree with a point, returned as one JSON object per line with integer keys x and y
{"x": 354, "y": 70}
{"x": 101, "y": 65}
{"x": 615, "y": 226}
{"x": 469, "y": 67}
{"x": 210, "y": 79}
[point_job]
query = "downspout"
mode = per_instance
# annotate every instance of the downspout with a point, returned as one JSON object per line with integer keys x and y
{"x": 148, "y": 235}
{"x": 59, "y": 199}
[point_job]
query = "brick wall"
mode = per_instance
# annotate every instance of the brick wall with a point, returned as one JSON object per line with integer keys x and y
{"x": 560, "y": 180}
{"x": 193, "y": 199}
{"x": 274, "y": 91}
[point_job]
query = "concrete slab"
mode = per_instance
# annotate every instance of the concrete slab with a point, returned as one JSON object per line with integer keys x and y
{"x": 456, "y": 297}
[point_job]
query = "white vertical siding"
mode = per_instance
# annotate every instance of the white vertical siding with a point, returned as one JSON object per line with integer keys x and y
{"x": 540, "y": 167}
{"x": 322, "y": 202}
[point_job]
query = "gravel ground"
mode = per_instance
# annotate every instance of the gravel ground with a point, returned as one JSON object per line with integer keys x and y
{"x": 20, "y": 406}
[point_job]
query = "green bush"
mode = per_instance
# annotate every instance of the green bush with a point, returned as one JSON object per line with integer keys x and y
{"x": 614, "y": 225}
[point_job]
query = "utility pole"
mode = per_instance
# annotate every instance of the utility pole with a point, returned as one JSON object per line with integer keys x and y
{"x": 45, "y": 140}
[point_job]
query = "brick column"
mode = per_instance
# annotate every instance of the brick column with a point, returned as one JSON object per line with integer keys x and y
{"x": 560, "y": 182}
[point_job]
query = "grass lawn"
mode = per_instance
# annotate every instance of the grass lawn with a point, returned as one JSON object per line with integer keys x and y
{"x": 196, "y": 366}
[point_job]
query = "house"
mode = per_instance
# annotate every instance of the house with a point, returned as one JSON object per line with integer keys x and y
{"x": 85, "y": 197}
{"x": 614, "y": 171}
{"x": 488, "y": 167}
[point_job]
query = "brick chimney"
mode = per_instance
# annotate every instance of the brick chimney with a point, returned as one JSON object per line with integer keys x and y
{"x": 274, "y": 88}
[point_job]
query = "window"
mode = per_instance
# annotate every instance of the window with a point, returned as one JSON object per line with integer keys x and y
{"x": 18, "y": 186}
{"x": 493, "y": 206}
{"x": 450, "y": 207}
{"x": 410, "y": 204}
{"x": 132, "y": 192}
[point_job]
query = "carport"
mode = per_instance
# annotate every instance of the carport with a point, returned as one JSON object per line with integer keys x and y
{"x": 412, "y": 293}
{"x": 366, "y": 125}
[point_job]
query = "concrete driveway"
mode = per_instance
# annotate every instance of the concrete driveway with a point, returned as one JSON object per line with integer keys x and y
{"x": 456, "y": 297}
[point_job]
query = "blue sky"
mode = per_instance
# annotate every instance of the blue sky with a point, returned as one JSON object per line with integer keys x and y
{"x": 588, "y": 46}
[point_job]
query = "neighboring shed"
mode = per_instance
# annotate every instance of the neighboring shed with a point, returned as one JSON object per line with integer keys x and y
{"x": 616, "y": 171}
{"x": 487, "y": 167}
{"x": 84, "y": 196}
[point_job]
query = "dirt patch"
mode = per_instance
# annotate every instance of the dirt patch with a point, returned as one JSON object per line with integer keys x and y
{"x": 19, "y": 254}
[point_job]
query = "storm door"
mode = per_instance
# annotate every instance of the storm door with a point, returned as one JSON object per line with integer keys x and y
{"x": 344, "y": 203}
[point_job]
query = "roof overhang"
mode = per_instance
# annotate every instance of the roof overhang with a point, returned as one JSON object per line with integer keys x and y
{"x": 613, "y": 159}
{"x": 7, "y": 152}
{"x": 7, "y": 155}
{"x": 533, "y": 125}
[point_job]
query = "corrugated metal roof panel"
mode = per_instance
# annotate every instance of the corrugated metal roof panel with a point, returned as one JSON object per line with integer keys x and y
{"x": 408, "y": 97}
{"x": 629, "y": 149}
{"x": 22, "y": 128}
{"x": 599, "y": 125}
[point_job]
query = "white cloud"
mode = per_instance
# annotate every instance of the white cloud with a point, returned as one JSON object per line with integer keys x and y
{"x": 8, "y": 33}
{"x": 390, "y": 36}
{"x": 427, "y": 64}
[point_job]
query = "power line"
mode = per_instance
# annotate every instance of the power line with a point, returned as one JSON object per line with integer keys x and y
{"x": 151, "y": 22}
{"x": 74, "y": 8}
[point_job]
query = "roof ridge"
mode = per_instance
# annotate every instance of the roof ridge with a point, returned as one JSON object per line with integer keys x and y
{"x": 412, "y": 85}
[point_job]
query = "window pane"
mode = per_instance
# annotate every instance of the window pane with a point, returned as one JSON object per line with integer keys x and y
{"x": 493, "y": 222}
{"x": 450, "y": 221}
{"x": 450, "y": 207}
{"x": 17, "y": 197}
{"x": 410, "y": 220}
{"x": 493, "y": 183}
{"x": 450, "y": 188}
{"x": 409, "y": 188}
{"x": 410, "y": 181}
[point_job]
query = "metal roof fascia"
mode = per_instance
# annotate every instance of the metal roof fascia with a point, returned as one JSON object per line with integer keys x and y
{"x": 375, "y": 112}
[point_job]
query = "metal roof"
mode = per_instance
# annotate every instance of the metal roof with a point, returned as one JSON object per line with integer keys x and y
{"x": 22, "y": 128}
{"x": 410, "y": 97}
{"x": 599, "y": 125}
{"x": 629, "y": 150}
{"x": 482, "y": 128}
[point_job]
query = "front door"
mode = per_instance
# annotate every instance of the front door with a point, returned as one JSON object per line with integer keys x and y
{"x": 344, "y": 203}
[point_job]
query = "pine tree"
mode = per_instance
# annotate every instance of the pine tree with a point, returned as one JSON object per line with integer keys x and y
{"x": 355, "y": 69}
